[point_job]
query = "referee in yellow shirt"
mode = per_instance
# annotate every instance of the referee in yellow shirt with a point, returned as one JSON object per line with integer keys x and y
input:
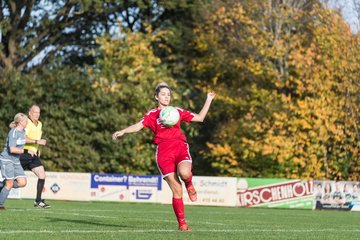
{"x": 33, "y": 163}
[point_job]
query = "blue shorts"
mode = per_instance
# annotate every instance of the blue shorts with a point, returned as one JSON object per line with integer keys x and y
{"x": 10, "y": 170}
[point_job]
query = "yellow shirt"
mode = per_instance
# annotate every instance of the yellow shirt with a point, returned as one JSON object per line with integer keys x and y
{"x": 34, "y": 132}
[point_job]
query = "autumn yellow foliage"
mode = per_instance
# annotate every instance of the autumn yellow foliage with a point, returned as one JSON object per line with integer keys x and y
{"x": 289, "y": 84}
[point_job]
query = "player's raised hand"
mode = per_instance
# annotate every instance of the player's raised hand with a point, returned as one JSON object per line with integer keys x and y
{"x": 211, "y": 95}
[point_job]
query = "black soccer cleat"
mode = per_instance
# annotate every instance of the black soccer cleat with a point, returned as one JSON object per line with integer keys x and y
{"x": 41, "y": 204}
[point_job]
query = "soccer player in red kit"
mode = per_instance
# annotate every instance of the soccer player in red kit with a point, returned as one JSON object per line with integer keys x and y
{"x": 172, "y": 152}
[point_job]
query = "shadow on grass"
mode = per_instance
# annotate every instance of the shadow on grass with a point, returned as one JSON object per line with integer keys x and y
{"x": 82, "y": 222}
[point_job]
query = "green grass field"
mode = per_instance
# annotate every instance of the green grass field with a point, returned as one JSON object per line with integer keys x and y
{"x": 110, "y": 220}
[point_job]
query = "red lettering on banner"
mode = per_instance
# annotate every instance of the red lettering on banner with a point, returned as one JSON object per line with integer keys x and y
{"x": 274, "y": 193}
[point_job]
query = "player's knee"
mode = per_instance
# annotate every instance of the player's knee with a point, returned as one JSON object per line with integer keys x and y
{"x": 22, "y": 184}
{"x": 9, "y": 183}
{"x": 184, "y": 175}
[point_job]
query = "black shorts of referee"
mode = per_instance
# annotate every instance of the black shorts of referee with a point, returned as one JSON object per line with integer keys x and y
{"x": 29, "y": 162}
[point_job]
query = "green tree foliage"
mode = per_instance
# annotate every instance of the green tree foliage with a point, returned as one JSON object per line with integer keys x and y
{"x": 81, "y": 110}
{"x": 78, "y": 120}
{"x": 129, "y": 71}
{"x": 88, "y": 107}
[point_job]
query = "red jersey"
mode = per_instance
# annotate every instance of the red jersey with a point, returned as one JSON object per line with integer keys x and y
{"x": 162, "y": 133}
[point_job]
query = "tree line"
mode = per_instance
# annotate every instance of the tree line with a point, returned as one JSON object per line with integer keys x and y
{"x": 286, "y": 75}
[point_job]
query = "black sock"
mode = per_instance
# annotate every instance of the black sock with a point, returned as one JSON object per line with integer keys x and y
{"x": 40, "y": 186}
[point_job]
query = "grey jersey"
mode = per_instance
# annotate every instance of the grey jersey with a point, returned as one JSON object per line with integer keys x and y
{"x": 15, "y": 138}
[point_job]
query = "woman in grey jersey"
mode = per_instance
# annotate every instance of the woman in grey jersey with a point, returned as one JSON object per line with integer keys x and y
{"x": 11, "y": 169}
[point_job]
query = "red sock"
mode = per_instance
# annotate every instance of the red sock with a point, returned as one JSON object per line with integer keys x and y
{"x": 188, "y": 180}
{"x": 179, "y": 210}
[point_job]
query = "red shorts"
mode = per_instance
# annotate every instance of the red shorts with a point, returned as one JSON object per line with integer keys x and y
{"x": 170, "y": 154}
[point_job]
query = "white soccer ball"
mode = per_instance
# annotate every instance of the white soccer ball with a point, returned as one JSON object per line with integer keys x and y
{"x": 169, "y": 116}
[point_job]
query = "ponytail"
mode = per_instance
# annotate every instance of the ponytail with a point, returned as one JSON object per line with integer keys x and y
{"x": 13, "y": 124}
{"x": 18, "y": 117}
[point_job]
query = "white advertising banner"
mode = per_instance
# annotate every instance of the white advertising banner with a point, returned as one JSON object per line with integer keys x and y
{"x": 15, "y": 193}
{"x": 124, "y": 187}
{"x": 211, "y": 191}
{"x": 58, "y": 186}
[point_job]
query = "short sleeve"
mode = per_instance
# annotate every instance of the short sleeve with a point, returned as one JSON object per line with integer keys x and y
{"x": 12, "y": 139}
{"x": 148, "y": 119}
{"x": 185, "y": 115}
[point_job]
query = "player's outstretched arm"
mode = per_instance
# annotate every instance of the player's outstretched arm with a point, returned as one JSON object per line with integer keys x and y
{"x": 201, "y": 116}
{"x": 131, "y": 129}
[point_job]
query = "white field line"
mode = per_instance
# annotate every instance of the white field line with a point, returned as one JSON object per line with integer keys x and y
{"x": 253, "y": 213}
{"x": 149, "y": 212}
{"x": 65, "y": 212}
{"x": 88, "y": 210}
{"x": 135, "y": 211}
{"x": 74, "y": 231}
{"x": 71, "y": 214}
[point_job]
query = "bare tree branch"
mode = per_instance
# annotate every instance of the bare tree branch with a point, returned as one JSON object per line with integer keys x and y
{"x": 68, "y": 23}
{"x": 47, "y": 57}
{"x": 27, "y": 13}
{"x": 54, "y": 40}
{"x": 5, "y": 61}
